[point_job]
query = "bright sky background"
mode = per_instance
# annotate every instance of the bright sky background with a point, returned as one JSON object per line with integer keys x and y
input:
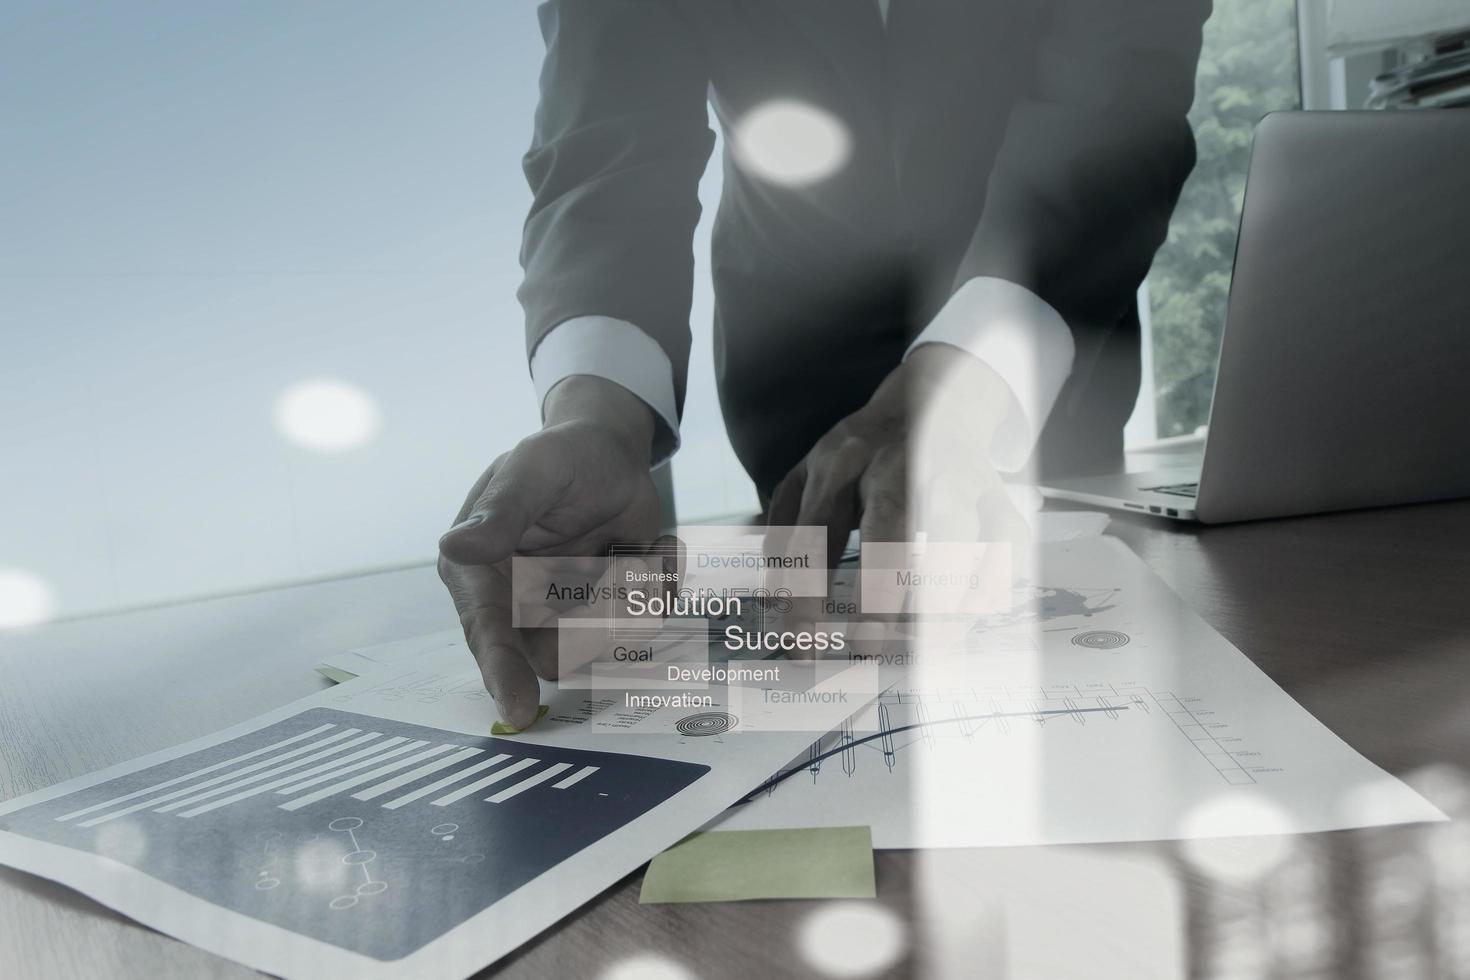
{"x": 207, "y": 207}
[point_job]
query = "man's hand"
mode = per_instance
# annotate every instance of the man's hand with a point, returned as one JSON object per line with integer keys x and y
{"x": 576, "y": 486}
{"x": 915, "y": 458}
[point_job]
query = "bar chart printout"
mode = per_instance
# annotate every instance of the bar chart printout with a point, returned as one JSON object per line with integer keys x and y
{"x": 370, "y": 834}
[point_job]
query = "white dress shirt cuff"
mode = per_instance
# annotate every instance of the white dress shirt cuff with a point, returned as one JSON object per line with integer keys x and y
{"x": 1019, "y": 336}
{"x": 616, "y": 351}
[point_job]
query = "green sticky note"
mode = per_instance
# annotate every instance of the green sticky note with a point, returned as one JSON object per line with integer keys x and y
{"x": 736, "y": 865}
{"x": 335, "y": 674}
{"x": 501, "y": 728}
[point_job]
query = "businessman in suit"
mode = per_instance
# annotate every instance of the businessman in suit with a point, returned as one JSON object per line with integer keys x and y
{"x": 951, "y": 300}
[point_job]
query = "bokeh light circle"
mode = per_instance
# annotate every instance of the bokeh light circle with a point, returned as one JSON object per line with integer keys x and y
{"x": 1236, "y": 837}
{"x": 648, "y": 966}
{"x": 852, "y": 939}
{"x": 327, "y": 415}
{"x": 26, "y": 599}
{"x": 790, "y": 143}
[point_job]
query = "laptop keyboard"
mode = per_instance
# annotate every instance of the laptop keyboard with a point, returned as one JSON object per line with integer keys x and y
{"x": 1176, "y": 489}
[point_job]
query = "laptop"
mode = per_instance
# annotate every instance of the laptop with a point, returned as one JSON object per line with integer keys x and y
{"x": 1344, "y": 372}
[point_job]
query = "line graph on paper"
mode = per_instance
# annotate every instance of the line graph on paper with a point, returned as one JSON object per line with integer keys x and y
{"x": 371, "y": 834}
{"x": 899, "y": 723}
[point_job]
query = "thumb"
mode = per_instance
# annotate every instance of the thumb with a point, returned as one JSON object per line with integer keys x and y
{"x": 524, "y": 487}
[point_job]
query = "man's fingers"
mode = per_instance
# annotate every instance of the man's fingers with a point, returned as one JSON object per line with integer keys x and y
{"x": 830, "y": 497}
{"x": 947, "y": 509}
{"x": 523, "y": 486}
{"x": 482, "y": 598}
{"x": 668, "y": 556}
{"x": 1011, "y": 557}
{"x": 884, "y": 497}
{"x": 1000, "y": 519}
{"x": 786, "y": 500}
{"x": 542, "y": 649}
{"x": 506, "y": 673}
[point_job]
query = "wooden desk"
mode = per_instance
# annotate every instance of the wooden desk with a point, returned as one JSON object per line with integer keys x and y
{"x": 1364, "y": 618}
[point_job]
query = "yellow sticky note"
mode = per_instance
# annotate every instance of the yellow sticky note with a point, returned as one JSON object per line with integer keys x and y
{"x": 737, "y": 865}
{"x": 501, "y": 728}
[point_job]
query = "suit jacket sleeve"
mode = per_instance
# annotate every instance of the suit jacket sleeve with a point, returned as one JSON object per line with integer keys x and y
{"x": 1094, "y": 156}
{"x": 621, "y": 140}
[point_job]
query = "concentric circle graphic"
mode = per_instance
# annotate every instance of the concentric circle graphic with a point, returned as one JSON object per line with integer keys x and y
{"x": 707, "y": 723}
{"x": 1101, "y": 639}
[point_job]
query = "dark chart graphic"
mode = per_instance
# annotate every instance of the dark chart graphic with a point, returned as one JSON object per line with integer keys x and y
{"x": 1045, "y": 604}
{"x": 1101, "y": 639}
{"x": 372, "y": 835}
{"x": 707, "y": 723}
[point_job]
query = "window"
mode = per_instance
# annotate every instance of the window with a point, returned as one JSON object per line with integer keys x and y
{"x": 1247, "y": 69}
{"x": 209, "y": 207}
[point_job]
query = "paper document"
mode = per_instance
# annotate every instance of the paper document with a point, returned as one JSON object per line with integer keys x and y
{"x": 1098, "y": 708}
{"x": 377, "y": 829}
{"x": 364, "y": 660}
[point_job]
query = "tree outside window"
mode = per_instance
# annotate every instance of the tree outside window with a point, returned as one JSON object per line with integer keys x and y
{"x": 1249, "y": 67}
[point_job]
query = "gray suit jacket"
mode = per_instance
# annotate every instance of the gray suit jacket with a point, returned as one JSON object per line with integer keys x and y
{"x": 1041, "y": 141}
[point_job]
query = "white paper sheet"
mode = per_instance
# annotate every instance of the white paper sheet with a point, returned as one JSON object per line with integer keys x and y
{"x": 364, "y": 660}
{"x": 377, "y": 830}
{"x": 1100, "y": 709}
{"x": 1116, "y": 714}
